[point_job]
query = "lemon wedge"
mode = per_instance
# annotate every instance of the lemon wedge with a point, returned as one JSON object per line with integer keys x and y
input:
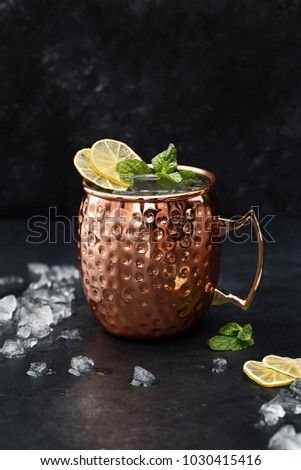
{"x": 104, "y": 156}
{"x": 83, "y": 166}
{"x": 285, "y": 365}
{"x": 266, "y": 376}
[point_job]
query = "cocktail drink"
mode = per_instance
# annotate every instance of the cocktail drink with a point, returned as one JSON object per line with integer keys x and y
{"x": 150, "y": 242}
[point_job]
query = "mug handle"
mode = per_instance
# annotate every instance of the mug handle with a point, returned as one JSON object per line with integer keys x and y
{"x": 222, "y": 297}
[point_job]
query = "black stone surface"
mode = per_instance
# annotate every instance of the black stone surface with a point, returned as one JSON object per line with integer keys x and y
{"x": 190, "y": 407}
{"x": 222, "y": 80}
{"x": 219, "y": 78}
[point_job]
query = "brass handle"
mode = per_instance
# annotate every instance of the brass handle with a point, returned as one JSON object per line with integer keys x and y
{"x": 221, "y": 297}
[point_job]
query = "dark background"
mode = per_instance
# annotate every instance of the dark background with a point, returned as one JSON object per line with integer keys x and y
{"x": 219, "y": 78}
{"x": 222, "y": 80}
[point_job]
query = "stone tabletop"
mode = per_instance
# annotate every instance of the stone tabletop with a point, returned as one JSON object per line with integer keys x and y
{"x": 190, "y": 407}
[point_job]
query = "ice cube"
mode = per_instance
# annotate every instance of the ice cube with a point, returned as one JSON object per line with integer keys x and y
{"x": 67, "y": 311}
{"x": 295, "y": 386}
{"x": 64, "y": 272}
{"x": 41, "y": 295}
{"x": 40, "y": 272}
{"x": 42, "y": 282}
{"x": 219, "y": 365}
{"x": 12, "y": 348}
{"x": 142, "y": 377}
{"x": 32, "y": 327}
{"x": 62, "y": 294}
{"x": 8, "y": 305}
{"x": 55, "y": 277}
{"x": 58, "y": 313}
{"x": 150, "y": 184}
{"x": 289, "y": 400}
{"x": 38, "y": 269}
{"x": 17, "y": 313}
{"x": 285, "y": 438}
{"x": 24, "y": 331}
{"x": 58, "y": 297}
{"x": 22, "y": 310}
{"x": 70, "y": 334}
{"x": 271, "y": 413}
{"x": 30, "y": 343}
{"x": 40, "y": 329}
{"x": 43, "y": 314}
{"x": 38, "y": 369}
{"x": 82, "y": 364}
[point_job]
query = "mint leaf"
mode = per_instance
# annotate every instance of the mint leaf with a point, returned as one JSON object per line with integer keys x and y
{"x": 228, "y": 343}
{"x": 164, "y": 165}
{"x": 222, "y": 343}
{"x": 175, "y": 177}
{"x": 172, "y": 177}
{"x": 244, "y": 344}
{"x": 128, "y": 168}
{"x": 230, "y": 329}
{"x": 166, "y": 161}
{"x": 187, "y": 174}
{"x": 245, "y": 333}
{"x": 232, "y": 337}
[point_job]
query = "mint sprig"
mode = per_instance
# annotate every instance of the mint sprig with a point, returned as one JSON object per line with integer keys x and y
{"x": 164, "y": 165}
{"x": 232, "y": 337}
{"x": 166, "y": 162}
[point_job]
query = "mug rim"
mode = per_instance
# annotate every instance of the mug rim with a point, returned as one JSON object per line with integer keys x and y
{"x": 170, "y": 196}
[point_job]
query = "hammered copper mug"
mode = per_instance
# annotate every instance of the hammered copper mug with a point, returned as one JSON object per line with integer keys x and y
{"x": 150, "y": 264}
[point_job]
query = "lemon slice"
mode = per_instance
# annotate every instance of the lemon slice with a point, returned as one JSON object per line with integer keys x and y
{"x": 83, "y": 166}
{"x": 285, "y": 365}
{"x": 104, "y": 156}
{"x": 265, "y": 376}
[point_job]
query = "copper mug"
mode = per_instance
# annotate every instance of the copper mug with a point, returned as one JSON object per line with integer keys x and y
{"x": 150, "y": 264}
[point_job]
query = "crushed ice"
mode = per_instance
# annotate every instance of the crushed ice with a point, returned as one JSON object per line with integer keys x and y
{"x": 84, "y": 365}
{"x": 12, "y": 348}
{"x": 295, "y": 386}
{"x": 287, "y": 402}
{"x": 271, "y": 413}
{"x": 286, "y": 438}
{"x": 46, "y": 302}
{"x": 219, "y": 365}
{"x": 284, "y": 408}
{"x": 142, "y": 377}
{"x": 8, "y": 305}
{"x": 30, "y": 342}
{"x": 70, "y": 335}
{"x": 81, "y": 365}
{"x": 38, "y": 369}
